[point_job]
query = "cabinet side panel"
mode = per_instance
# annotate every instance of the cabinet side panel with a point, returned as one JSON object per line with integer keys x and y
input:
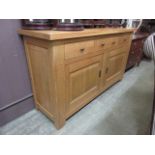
{"x": 58, "y": 67}
{"x": 38, "y": 60}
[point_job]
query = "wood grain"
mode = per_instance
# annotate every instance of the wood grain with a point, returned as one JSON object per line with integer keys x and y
{"x": 82, "y": 82}
{"x": 61, "y": 35}
{"x": 63, "y": 78}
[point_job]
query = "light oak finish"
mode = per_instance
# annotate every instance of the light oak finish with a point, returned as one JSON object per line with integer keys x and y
{"x": 78, "y": 48}
{"x": 66, "y": 74}
{"x": 114, "y": 69}
{"x": 82, "y": 82}
{"x": 61, "y": 35}
{"x": 107, "y": 43}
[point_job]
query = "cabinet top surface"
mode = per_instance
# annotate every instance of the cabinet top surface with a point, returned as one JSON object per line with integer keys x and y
{"x": 60, "y": 35}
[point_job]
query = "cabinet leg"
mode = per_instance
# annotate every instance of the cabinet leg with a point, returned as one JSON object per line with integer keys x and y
{"x": 36, "y": 106}
{"x": 59, "y": 123}
{"x": 137, "y": 64}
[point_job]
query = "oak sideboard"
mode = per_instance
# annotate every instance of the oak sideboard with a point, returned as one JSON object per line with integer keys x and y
{"x": 69, "y": 69}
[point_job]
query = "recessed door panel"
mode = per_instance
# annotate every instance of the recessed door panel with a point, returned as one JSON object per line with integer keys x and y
{"x": 83, "y": 82}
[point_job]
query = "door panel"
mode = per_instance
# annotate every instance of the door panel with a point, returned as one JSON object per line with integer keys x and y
{"x": 115, "y": 68}
{"x": 83, "y": 82}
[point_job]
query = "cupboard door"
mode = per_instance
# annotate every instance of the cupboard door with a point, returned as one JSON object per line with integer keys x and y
{"x": 114, "y": 69}
{"x": 82, "y": 82}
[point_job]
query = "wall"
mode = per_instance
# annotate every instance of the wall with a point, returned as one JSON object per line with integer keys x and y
{"x": 15, "y": 90}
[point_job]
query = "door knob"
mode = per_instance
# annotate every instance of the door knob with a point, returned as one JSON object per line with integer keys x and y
{"x": 82, "y": 50}
{"x": 102, "y": 44}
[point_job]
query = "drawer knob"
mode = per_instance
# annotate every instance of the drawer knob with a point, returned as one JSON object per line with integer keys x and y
{"x": 113, "y": 42}
{"x": 102, "y": 44}
{"x": 82, "y": 50}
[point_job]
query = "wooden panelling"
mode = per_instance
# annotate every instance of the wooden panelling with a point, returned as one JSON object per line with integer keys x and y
{"x": 83, "y": 81}
{"x": 114, "y": 69}
{"x": 41, "y": 76}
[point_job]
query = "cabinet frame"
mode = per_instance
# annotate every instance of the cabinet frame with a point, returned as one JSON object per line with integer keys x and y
{"x": 54, "y": 72}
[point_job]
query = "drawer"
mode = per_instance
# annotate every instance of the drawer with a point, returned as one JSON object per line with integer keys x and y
{"x": 124, "y": 40}
{"x": 106, "y": 43}
{"x": 78, "y": 49}
{"x": 111, "y": 43}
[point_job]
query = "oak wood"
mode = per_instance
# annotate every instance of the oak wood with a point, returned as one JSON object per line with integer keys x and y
{"x": 114, "y": 70}
{"x": 78, "y": 48}
{"x": 82, "y": 82}
{"x": 61, "y": 35}
{"x": 65, "y": 78}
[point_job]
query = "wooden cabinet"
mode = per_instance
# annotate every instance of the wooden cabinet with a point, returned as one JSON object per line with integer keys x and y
{"x": 136, "y": 50}
{"x": 69, "y": 69}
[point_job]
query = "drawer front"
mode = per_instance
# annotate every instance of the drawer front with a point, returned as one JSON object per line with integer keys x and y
{"x": 78, "y": 49}
{"x": 106, "y": 43}
{"x": 124, "y": 39}
{"x": 112, "y": 42}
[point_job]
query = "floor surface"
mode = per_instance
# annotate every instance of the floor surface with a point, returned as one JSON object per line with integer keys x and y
{"x": 124, "y": 109}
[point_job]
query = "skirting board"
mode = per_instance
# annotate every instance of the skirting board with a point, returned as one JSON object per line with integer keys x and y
{"x": 15, "y": 111}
